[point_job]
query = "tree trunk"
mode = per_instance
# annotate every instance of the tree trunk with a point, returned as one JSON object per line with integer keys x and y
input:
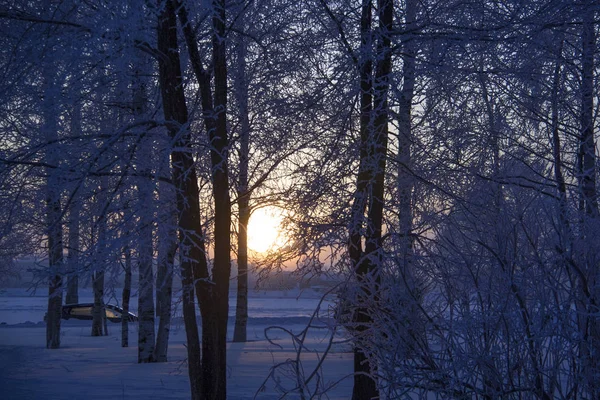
{"x": 167, "y": 246}
{"x": 241, "y": 90}
{"x": 98, "y": 313}
{"x": 213, "y": 298}
{"x": 364, "y": 386}
{"x": 72, "y": 296}
{"x": 405, "y": 179}
{"x": 241, "y": 308}
{"x": 146, "y": 336}
{"x": 53, "y": 216}
{"x": 587, "y": 155}
{"x": 214, "y": 341}
{"x": 100, "y": 258}
{"x": 145, "y": 211}
{"x": 561, "y": 186}
{"x": 368, "y": 269}
{"x": 191, "y": 244}
{"x": 126, "y": 298}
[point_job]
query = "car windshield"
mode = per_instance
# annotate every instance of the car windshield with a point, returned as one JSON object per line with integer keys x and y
{"x": 81, "y": 311}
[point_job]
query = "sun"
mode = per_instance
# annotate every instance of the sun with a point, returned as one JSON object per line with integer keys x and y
{"x": 264, "y": 229}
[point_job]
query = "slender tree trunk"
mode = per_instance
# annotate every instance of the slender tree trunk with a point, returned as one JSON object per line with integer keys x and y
{"x": 241, "y": 90}
{"x": 72, "y": 296}
{"x": 412, "y": 328}
{"x": 126, "y": 298}
{"x": 565, "y": 231}
{"x": 98, "y": 312}
{"x": 145, "y": 211}
{"x": 55, "y": 264}
{"x": 191, "y": 244}
{"x": 53, "y": 216}
{"x": 167, "y": 246}
{"x": 146, "y": 335}
{"x": 241, "y": 308}
{"x": 405, "y": 178}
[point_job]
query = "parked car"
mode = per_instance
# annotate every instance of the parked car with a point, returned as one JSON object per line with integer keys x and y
{"x": 84, "y": 311}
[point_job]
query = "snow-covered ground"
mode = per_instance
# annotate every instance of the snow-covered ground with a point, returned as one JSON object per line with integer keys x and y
{"x": 89, "y": 368}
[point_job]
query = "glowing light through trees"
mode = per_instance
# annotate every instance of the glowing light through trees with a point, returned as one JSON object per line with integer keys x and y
{"x": 264, "y": 230}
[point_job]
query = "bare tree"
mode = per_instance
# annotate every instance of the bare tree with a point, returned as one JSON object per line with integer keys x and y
{"x": 213, "y": 289}
{"x": 191, "y": 244}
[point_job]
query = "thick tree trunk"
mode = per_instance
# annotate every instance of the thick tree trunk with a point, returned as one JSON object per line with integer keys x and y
{"x": 214, "y": 299}
{"x": 241, "y": 91}
{"x": 126, "y": 298}
{"x": 215, "y": 381}
{"x": 191, "y": 244}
